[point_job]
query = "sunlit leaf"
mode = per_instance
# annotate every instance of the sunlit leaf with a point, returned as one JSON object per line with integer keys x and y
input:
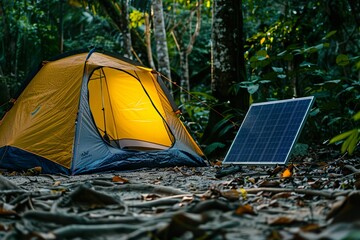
{"x": 75, "y": 3}
{"x": 342, "y": 60}
{"x": 341, "y": 136}
{"x": 287, "y": 173}
{"x": 357, "y": 65}
{"x": 353, "y": 143}
{"x": 348, "y": 141}
{"x": 356, "y": 117}
{"x": 243, "y": 193}
{"x": 262, "y": 41}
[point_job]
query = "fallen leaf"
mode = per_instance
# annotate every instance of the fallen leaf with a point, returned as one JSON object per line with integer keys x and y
{"x": 288, "y": 172}
{"x": 312, "y": 227}
{"x": 149, "y": 197}
{"x": 231, "y": 195}
{"x": 281, "y": 195}
{"x": 281, "y": 221}
{"x": 245, "y": 209}
{"x": 252, "y": 180}
{"x": 56, "y": 183}
{"x": 119, "y": 179}
{"x": 3, "y": 228}
{"x": 33, "y": 171}
{"x": 274, "y": 235}
{"x": 346, "y": 211}
{"x": 276, "y": 170}
{"x": 217, "y": 163}
{"x": 6, "y": 209}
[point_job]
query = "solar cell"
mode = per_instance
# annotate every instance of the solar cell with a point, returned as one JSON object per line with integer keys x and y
{"x": 269, "y": 131}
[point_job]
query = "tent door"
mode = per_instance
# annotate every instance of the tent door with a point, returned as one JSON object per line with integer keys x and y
{"x": 123, "y": 112}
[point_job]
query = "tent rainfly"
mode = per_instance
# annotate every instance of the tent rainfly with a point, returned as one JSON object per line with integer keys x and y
{"x": 86, "y": 112}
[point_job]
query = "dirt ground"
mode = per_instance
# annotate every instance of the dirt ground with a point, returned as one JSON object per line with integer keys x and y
{"x": 314, "y": 197}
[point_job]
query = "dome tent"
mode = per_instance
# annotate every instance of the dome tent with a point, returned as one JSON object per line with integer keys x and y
{"x": 86, "y": 112}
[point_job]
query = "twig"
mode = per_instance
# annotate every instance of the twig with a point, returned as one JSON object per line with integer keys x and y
{"x": 145, "y": 188}
{"x": 10, "y": 192}
{"x": 143, "y": 233}
{"x": 63, "y": 175}
{"x": 70, "y": 219}
{"x": 86, "y": 230}
{"x": 102, "y": 183}
{"x": 47, "y": 176}
{"x": 30, "y": 203}
{"x": 41, "y": 204}
{"x": 155, "y": 203}
{"x": 323, "y": 193}
{"x": 92, "y": 230}
{"x": 352, "y": 168}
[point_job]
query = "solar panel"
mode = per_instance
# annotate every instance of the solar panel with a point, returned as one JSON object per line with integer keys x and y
{"x": 269, "y": 131}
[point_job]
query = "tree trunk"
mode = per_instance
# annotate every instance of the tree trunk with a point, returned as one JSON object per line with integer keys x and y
{"x": 161, "y": 42}
{"x": 148, "y": 41}
{"x": 118, "y": 12}
{"x": 61, "y": 27}
{"x": 228, "y": 63}
{"x": 184, "y": 78}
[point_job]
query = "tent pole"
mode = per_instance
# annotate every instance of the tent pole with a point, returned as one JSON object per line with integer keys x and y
{"x": 106, "y": 137}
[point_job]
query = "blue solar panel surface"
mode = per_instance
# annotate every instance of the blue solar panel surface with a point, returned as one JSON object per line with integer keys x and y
{"x": 269, "y": 132}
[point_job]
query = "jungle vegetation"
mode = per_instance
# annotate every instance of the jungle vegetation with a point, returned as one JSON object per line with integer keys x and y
{"x": 219, "y": 56}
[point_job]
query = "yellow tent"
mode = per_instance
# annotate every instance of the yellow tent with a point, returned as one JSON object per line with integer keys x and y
{"x": 93, "y": 111}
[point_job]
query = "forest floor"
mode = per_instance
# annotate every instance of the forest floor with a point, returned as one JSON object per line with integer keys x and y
{"x": 313, "y": 197}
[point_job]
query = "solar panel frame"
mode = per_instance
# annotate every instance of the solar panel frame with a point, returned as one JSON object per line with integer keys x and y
{"x": 252, "y": 127}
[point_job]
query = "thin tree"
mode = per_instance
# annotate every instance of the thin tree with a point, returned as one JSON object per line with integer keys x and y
{"x": 119, "y": 14}
{"x": 160, "y": 39}
{"x": 185, "y": 48}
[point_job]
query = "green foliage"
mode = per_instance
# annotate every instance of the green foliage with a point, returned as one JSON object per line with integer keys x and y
{"x": 214, "y": 148}
{"x": 350, "y": 139}
{"x": 136, "y": 18}
{"x": 288, "y": 57}
{"x": 293, "y": 48}
{"x": 196, "y": 112}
